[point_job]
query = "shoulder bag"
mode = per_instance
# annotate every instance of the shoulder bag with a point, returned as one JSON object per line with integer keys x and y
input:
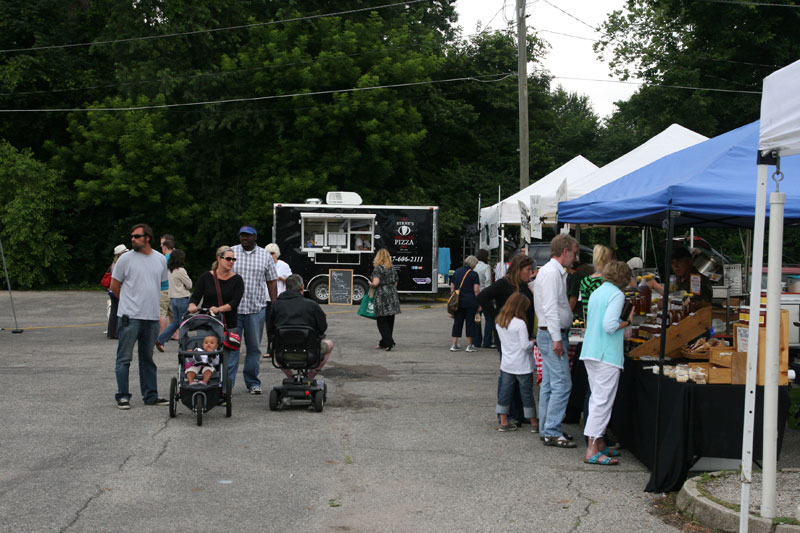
{"x": 452, "y": 302}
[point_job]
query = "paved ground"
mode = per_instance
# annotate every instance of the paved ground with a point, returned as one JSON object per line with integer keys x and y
{"x": 406, "y": 442}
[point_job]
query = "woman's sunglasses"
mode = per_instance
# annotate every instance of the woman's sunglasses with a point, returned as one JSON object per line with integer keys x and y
{"x": 231, "y": 259}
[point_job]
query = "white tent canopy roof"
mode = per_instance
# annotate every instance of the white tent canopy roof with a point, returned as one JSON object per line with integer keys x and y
{"x": 584, "y": 177}
{"x": 780, "y": 111}
{"x": 671, "y": 140}
{"x": 545, "y": 187}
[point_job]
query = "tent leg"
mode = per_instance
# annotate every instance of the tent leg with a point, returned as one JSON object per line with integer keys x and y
{"x": 752, "y": 349}
{"x": 670, "y": 223}
{"x": 8, "y": 282}
{"x": 777, "y": 200}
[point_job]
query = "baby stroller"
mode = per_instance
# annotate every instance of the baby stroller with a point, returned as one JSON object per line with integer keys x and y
{"x": 200, "y": 397}
{"x": 296, "y": 348}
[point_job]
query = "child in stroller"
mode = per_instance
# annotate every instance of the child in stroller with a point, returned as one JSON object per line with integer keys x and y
{"x": 202, "y": 351}
{"x": 202, "y": 363}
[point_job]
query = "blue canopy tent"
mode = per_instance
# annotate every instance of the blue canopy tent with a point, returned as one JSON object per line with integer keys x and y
{"x": 710, "y": 184}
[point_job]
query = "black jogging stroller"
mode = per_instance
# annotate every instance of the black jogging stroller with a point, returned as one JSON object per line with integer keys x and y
{"x": 200, "y": 397}
{"x": 297, "y": 348}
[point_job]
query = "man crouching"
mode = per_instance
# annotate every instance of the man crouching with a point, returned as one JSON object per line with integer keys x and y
{"x": 291, "y": 308}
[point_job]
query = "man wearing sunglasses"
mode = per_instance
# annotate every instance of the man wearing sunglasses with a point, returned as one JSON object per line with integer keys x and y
{"x": 257, "y": 268}
{"x": 136, "y": 281}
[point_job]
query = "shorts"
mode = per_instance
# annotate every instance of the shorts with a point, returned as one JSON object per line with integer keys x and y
{"x": 166, "y": 308}
{"x": 199, "y": 369}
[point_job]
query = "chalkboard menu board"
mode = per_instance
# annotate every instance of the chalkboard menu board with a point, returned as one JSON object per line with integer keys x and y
{"x": 340, "y": 287}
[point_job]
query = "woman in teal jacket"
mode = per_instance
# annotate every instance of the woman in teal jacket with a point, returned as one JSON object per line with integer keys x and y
{"x": 603, "y": 357}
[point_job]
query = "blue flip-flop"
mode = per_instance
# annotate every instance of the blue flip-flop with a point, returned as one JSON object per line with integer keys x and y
{"x": 595, "y": 460}
{"x": 609, "y": 452}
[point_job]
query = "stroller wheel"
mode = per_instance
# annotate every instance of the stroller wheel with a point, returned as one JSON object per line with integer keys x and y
{"x": 319, "y": 400}
{"x": 273, "y": 400}
{"x": 173, "y": 395}
{"x": 228, "y": 406}
{"x": 198, "y": 408}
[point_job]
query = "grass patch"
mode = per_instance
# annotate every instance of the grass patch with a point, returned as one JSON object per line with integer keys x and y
{"x": 701, "y": 488}
{"x": 794, "y": 408}
{"x": 348, "y": 460}
{"x": 332, "y": 503}
{"x": 785, "y": 520}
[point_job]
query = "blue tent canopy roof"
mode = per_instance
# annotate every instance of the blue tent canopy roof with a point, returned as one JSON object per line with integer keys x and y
{"x": 711, "y": 184}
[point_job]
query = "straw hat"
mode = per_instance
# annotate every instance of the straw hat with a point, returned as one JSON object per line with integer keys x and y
{"x": 120, "y": 249}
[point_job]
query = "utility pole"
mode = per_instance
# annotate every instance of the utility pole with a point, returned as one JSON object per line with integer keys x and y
{"x": 522, "y": 70}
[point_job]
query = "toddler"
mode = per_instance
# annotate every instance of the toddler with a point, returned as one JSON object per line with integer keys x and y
{"x": 203, "y": 364}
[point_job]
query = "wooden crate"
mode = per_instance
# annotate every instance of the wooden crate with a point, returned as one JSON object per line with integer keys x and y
{"x": 681, "y": 333}
{"x": 739, "y": 368}
{"x": 719, "y": 374}
{"x": 783, "y": 351}
{"x": 721, "y": 355}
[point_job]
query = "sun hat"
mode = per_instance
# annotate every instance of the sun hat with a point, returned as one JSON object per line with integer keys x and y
{"x": 120, "y": 249}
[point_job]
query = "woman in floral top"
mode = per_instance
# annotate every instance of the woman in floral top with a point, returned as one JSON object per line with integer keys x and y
{"x": 387, "y": 301}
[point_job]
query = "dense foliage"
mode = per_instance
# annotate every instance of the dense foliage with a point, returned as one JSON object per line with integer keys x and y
{"x": 296, "y": 113}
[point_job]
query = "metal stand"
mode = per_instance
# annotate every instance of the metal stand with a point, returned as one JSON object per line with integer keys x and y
{"x": 8, "y": 282}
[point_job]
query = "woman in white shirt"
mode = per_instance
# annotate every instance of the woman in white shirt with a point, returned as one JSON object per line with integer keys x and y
{"x": 284, "y": 271}
{"x": 516, "y": 363}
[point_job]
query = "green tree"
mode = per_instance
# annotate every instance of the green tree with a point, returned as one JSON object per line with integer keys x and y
{"x": 31, "y": 200}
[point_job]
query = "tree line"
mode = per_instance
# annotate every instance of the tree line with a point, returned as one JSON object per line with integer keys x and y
{"x": 395, "y": 103}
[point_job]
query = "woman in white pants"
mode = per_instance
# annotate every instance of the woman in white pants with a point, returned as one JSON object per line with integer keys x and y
{"x": 603, "y": 357}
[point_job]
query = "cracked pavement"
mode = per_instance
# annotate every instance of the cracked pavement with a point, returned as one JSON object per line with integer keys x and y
{"x": 406, "y": 442}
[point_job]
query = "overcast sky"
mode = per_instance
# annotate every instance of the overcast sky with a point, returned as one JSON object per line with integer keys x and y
{"x": 569, "y": 57}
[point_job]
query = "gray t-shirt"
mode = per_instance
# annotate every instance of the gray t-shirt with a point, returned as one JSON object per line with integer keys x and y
{"x": 141, "y": 276}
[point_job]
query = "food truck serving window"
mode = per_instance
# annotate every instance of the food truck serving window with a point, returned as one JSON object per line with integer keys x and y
{"x": 333, "y": 232}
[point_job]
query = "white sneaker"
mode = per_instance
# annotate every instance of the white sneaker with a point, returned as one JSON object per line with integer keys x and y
{"x": 471, "y": 348}
{"x": 455, "y": 348}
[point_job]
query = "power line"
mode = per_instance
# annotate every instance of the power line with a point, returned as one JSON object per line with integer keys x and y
{"x": 795, "y": 6}
{"x": 640, "y": 83}
{"x": 211, "y": 30}
{"x": 570, "y": 15}
{"x": 258, "y": 98}
{"x": 566, "y": 34}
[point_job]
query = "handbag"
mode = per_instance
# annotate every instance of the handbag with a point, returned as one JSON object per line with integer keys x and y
{"x": 367, "y": 307}
{"x": 106, "y": 281}
{"x": 452, "y": 302}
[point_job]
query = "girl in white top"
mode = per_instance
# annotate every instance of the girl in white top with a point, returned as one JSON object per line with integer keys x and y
{"x": 516, "y": 363}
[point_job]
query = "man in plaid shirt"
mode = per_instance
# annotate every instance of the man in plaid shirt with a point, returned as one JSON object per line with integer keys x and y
{"x": 257, "y": 269}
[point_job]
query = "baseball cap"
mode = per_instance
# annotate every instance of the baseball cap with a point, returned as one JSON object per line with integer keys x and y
{"x": 248, "y": 229}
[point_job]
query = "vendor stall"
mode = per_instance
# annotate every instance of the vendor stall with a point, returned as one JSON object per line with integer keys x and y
{"x": 709, "y": 184}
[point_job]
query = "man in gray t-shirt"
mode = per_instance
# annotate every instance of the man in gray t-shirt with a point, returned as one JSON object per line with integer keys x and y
{"x": 136, "y": 281}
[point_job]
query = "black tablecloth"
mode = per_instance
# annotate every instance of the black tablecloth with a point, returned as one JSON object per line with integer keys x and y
{"x": 696, "y": 421}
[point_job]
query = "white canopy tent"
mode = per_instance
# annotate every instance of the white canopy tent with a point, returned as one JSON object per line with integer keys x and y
{"x": 779, "y": 137}
{"x": 507, "y": 211}
{"x": 583, "y": 177}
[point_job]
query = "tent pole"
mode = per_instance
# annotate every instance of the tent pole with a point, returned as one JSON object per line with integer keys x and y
{"x": 769, "y": 464}
{"x": 8, "y": 282}
{"x": 752, "y": 348}
{"x": 478, "y": 246}
{"x": 670, "y": 226}
{"x": 644, "y": 247}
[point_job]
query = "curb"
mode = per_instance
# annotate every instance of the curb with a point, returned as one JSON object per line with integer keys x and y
{"x": 690, "y": 501}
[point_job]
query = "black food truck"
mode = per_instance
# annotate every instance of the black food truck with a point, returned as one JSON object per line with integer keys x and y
{"x": 341, "y": 234}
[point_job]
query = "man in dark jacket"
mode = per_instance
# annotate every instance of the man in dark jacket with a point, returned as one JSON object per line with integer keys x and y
{"x": 291, "y": 308}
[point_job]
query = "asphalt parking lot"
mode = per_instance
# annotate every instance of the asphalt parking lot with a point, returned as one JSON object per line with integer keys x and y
{"x": 406, "y": 442}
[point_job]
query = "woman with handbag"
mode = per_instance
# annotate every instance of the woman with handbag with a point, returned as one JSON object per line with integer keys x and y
{"x": 220, "y": 289}
{"x": 465, "y": 285}
{"x": 111, "y": 330}
{"x": 387, "y": 302}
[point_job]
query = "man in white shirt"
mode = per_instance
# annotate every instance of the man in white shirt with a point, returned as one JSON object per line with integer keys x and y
{"x": 554, "y": 317}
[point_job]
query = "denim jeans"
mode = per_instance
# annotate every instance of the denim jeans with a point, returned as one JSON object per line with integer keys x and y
{"x": 251, "y": 327}
{"x": 515, "y": 410}
{"x": 488, "y": 331}
{"x": 179, "y": 307}
{"x": 144, "y": 333}
{"x": 507, "y": 382}
{"x": 556, "y": 385}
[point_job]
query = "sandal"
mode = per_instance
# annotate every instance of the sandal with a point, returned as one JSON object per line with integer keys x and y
{"x": 559, "y": 442}
{"x": 596, "y": 460}
{"x": 610, "y": 452}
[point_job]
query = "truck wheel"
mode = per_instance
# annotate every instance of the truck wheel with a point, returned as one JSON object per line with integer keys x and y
{"x": 319, "y": 290}
{"x": 360, "y": 288}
